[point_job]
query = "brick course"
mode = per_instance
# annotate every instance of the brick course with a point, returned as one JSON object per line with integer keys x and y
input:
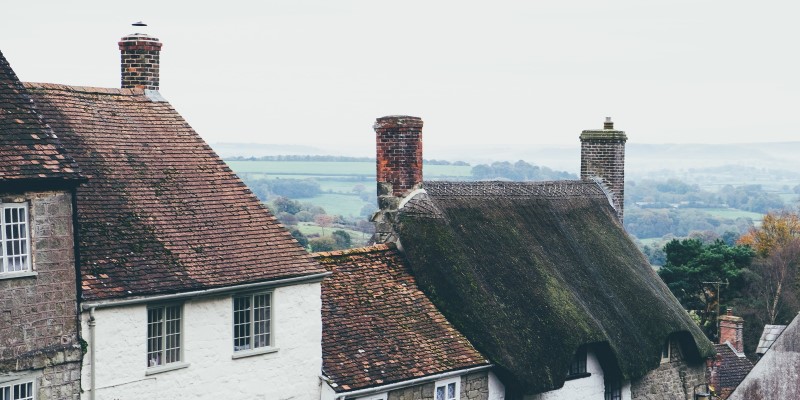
{"x": 399, "y": 152}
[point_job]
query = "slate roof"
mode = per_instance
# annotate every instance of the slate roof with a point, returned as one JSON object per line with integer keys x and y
{"x": 530, "y": 271}
{"x": 777, "y": 374}
{"x": 731, "y": 367}
{"x": 378, "y": 327}
{"x": 29, "y": 150}
{"x": 768, "y": 336}
{"x": 160, "y": 212}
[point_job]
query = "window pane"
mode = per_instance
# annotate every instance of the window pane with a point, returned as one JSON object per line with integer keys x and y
{"x": 261, "y": 320}
{"x": 440, "y": 393}
{"x": 173, "y": 333}
{"x": 451, "y": 391}
{"x": 241, "y": 323}
{"x": 155, "y": 329}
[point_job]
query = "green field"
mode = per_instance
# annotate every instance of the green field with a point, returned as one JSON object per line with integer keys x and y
{"x": 336, "y": 204}
{"x": 733, "y": 213}
{"x": 303, "y": 169}
{"x": 308, "y": 228}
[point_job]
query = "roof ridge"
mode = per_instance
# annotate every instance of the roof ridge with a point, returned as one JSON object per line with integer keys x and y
{"x": 84, "y": 89}
{"x": 375, "y": 248}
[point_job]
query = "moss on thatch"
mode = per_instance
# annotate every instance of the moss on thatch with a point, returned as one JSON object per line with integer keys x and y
{"x": 530, "y": 278}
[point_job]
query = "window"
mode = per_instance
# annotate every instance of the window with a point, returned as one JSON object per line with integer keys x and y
{"x": 163, "y": 335}
{"x": 613, "y": 388}
{"x": 665, "y": 352}
{"x": 17, "y": 391}
{"x": 577, "y": 368}
{"x": 448, "y": 389}
{"x": 252, "y": 319}
{"x": 14, "y": 238}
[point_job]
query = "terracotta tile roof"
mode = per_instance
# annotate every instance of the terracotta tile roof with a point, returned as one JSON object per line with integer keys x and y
{"x": 378, "y": 327}
{"x": 730, "y": 368}
{"x": 160, "y": 212}
{"x": 28, "y": 147}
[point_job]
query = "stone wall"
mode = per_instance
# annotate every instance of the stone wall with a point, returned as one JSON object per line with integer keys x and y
{"x": 473, "y": 387}
{"x": 672, "y": 380}
{"x": 38, "y": 311}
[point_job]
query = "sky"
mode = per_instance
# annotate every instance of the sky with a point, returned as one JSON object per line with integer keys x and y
{"x": 479, "y": 73}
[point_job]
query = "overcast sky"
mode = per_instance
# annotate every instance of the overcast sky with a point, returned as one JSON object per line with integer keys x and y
{"x": 530, "y": 72}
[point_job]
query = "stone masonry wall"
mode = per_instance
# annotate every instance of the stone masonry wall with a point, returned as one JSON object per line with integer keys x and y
{"x": 473, "y": 387}
{"x": 670, "y": 381}
{"x": 38, "y": 313}
{"x": 603, "y": 156}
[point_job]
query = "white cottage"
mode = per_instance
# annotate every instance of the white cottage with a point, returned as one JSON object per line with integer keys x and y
{"x": 189, "y": 288}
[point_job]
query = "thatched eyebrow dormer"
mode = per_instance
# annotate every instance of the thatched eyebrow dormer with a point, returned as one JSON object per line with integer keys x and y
{"x": 529, "y": 272}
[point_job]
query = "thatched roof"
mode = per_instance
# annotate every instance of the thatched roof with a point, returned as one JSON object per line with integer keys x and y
{"x": 529, "y": 272}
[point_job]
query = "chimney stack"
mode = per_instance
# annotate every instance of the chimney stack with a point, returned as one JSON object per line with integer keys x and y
{"x": 603, "y": 157}
{"x": 398, "y": 141}
{"x": 140, "y": 55}
{"x": 730, "y": 330}
{"x": 399, "y": 153}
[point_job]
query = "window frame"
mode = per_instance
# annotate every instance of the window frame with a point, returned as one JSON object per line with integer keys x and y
{"x": 26, "y": 252}
{"x": 578, "y": 366}
{"x": 269, "y": 347}
{"x": 445, "y": 383}
{"x": 612, "y": 388}
{"x": 9, "y": 385}
{"x": 166, "y": 365}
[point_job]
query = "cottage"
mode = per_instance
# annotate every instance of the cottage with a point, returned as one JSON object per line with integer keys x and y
{"x": 40, "y": 352}
{"x": 729, "y": 366}
{"x": 188, "y": 286}
{"x": 541, "y": 277}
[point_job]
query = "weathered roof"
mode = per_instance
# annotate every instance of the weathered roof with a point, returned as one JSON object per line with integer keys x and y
{"x": 29, "y": 150}
{"x": 378, "y": 327}
{"x": 768, "y": 336}
{"x": 777, "y": 374}
{"x": 529, "y": 272}
{"x": 731, "y": 367}
{"x": 160, "y": 212}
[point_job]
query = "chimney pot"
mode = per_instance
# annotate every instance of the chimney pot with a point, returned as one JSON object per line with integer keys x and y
{"x": 608, "y": 124}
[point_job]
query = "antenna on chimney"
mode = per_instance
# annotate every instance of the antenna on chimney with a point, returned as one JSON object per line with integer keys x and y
{"x": 139, "y": 23}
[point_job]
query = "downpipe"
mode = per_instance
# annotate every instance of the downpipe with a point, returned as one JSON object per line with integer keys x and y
{"x": 92, "y": 323}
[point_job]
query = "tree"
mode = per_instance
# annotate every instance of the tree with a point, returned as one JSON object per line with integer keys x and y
{"x": 324, "y": 221}
{"x": 692, "y": 265}
{"x": 322, "y": 244}
{"x": 283, "y": 204}
{"x": 342, "y": 239}
{"x": 777, "y": 243}
{"x": 299, "y": 236}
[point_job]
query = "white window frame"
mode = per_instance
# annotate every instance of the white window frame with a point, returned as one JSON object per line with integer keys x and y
{"x": 22, "y": 241}
{"x": 8, "y": 387}
{"x": 444, "y": 384}
{"x": 246, "y": 330}
{"x": 165, "y": 357}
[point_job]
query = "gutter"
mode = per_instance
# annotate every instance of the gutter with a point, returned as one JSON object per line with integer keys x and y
{"x": 412, "y": 382}
{"x": 206, "y": 292}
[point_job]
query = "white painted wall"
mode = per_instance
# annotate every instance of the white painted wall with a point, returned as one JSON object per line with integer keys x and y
{"x": 497, "y": 391}
{"x": 589, "y": 388}
{"x": 291, "y": 372}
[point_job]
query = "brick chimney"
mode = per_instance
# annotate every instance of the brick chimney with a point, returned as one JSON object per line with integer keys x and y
{"x": 730, "y": 330}
{"x": 398, "y": 141}
{"x": 140, "y": 55}
{"x": 603, "y": 157}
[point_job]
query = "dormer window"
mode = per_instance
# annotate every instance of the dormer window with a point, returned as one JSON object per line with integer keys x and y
{"x": 665, "y": 352}
{"x": 14, "y": 238}
{"x": 577, "y": 368}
